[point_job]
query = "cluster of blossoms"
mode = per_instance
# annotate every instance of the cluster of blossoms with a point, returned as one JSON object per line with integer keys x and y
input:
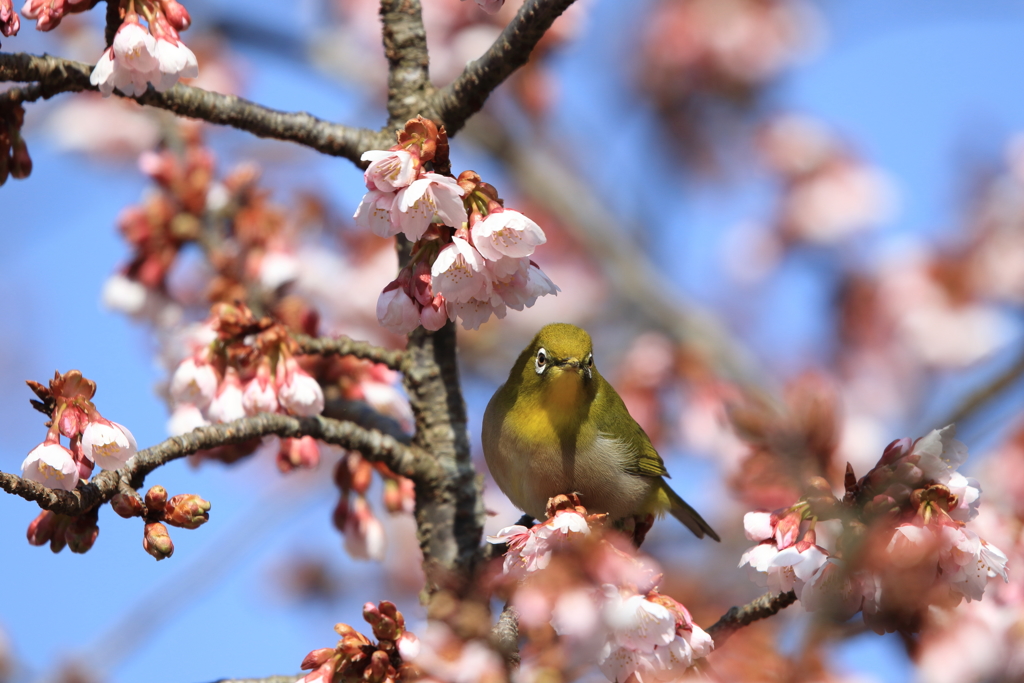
{"x": 94, "y": 440}
{"x": 244, "y": 366}
{"x": 356, "y": 657}
{"x": 10, "y": 24}
{"x": 353, "y": 516}
{"x": 470, "y": 257}
{"x": 14, "y": 158}
{"x": 612, "y": 614}
{"x": 900, "y": 539}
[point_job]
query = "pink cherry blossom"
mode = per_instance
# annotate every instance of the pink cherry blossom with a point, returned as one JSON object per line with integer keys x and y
{"x": 474, "y": 312}
{"x": 194, "y": 383}
{"x": 108, "y": 444}
{"x": 795, "y": 565}
{"x": 47, "y": 13}
{"x": 374, "y": 213}
{"x": 832, "y": 589}
{"x": 396, "y": 310}
{"x": 432, "y": 195}
{"x": 507, "y": 233}
{"x": 51, "y": 465}
{"x": 530, "y": 550}
{"x": 389, "y": 170}
{"x": 435, "y": 314}
{"x": 939, "y": 453}
{"x": 459, "y": 273}
{"x": 364, "y": 534}
{"x": 259, "y": 396}
{"x": 174, "y": 61}
{"x": 758, "y": 526}
{"x": 130, "y": 63}
{"x": 295, "y": 453}
{"x": 297, "y": 392}
{"x": 227, "y": 404}
{"x": 184, "y": 418}
{"x": 9, "y": 22}
{"x": 968, "y": 561}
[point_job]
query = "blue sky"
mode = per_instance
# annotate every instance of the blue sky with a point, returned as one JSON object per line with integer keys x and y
{"x": 911, "y": 86}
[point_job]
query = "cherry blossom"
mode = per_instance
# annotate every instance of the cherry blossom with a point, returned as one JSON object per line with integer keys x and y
{"x": 129, "y": 63}
{"x": 174, "y": 62}
{"x": 429, "y": 196}
{"x": 108, "y": 444}
{"x": 9, "y": 22}
{"x": 52, "y": 465}
{"x": 390, "y": 170}
{"x": 459, "y": 272}
{"x": 397, "y": 311}
{"x": 297, "y": 392}
{"x": 507, "y": 233}
{"x": 364, "y": 534}
{"x": 227, "y": 405}
{"x": 194, "y": 383}
{"x": 374, "y": 214}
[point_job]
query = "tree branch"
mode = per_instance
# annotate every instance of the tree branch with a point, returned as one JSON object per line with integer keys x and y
{"x": 466, "y": 95}
{"x": 738, "y": 617}
{"x": 985, "y": 394}
{"x": 407, "y": 461}
{"x": 405, "y": 46}
{"x": 505, "y": 635}
{"x": 344, "y": 346}
{"x": 56, "y": 75}
{"x": 362, "y": 414}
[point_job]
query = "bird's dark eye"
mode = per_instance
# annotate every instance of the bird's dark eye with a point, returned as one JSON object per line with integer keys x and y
{"x": 590, "y": 360}
{"x": 542, "y": 361}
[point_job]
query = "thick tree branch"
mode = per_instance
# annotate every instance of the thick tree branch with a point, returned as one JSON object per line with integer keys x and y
{"x": 738, "y": 617}
{"x": 505, "y": 636}
{"x": 466, "y": 95}
{"x": 407, "y": 461}
{"x": 449, "y": 517}
{"x": 55, "y": 75}
{"x": 344, "y": 346}
{"x": 405, "y": 46}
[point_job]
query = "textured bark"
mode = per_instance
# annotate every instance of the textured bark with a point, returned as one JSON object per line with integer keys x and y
{"x": 736, "y": 618}
{"x": 405, "y": 46}
{"x": 344, "y": 346}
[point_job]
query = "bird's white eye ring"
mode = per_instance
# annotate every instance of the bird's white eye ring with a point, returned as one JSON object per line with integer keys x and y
{"x": 541, "y": 363}
{"x": 590, "y": 360}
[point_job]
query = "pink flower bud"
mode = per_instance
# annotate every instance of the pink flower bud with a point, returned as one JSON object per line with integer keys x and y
{"x": 187, "y": 510}
{"x": 364, "y": 534}
{"x": 81, "y": 533}
{"x": 408, "y": 646}
{"x": 295, "y": 453}
{"x": 396, "y": 310}
{"x": 341, "y": 514}
{"x": 40, "y": 529}
{"x": 298, "y": 393}
{"x": 156, "y": 499}
{"x": 260, "y": 395}
{"x": 227, "y": 404}
{"x": 72, "y": 421}
{"x": 126, "y": 505}
{"x": 317, "y": 658}
{"x": 108, "y": 444}
{"x": 177, "y": 15}
{"x": 157, "y": 541}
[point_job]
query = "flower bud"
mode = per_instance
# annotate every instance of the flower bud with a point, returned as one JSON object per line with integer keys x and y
{"x": 72, "y": 421}
{"x": 187, "y": 510}
{"x": 344, "y": 630}
{"x": 126, "y": 505}
{"x": 21, "y": 162}
{"x": 362, "y": 473}
{"x": 341, "y": 513}
{"x": 157, "y": 541}
{"x": 156, "y": 499}
{"x": 81, "y": 533}
{"x": 177, "y": 15}
{"x": 317, "y": 658}
{"x": 377, "y": 670}
{"x": 910, "y": 474}
{"x": 40, "y": 529}
{"x": 881, "y": 505}
{"x": 392, "y": 496}
{"x": 408, "y": 646}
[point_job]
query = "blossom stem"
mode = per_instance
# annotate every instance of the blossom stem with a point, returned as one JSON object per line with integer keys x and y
{"x": 344, "y": 346}
{"x": 738, "y": 617}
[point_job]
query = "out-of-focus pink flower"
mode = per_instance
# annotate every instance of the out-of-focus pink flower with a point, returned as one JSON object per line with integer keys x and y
{"x": 227, "y": 403}
{"x": 9, "y": 22}
{"x": 530, "y": 549}
{"x": 474, "y": 312}
{"x": 433, "y": 194}
{"x": 184, "y": 418}
{"x": 364, "y": 534}
{"x": 374, "y": 214}
{"x": 396, "y": 310}
{"x": 968, "y": 561}
{"x": 108, "y": 444}
{"x": 260, "y": 395}
{"x": 832, "y": 589}
{"x": 459, "y": 272}
{"x": 389, "y": 170}
{"x": 51, "y": 465}
{"x": 47, "y": 13}
{"x": 507, "y": 233}
{"x": 297, "y": 392}
{"x": 194, "y": 383}
{"x": 296, "y": 453}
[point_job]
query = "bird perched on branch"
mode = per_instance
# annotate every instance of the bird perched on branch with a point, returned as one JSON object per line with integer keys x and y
{"x": 557, "y": 426}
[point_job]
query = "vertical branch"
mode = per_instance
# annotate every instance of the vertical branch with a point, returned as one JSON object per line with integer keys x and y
{"x": 405, "y": 46}
{"x": 449, "y": 515}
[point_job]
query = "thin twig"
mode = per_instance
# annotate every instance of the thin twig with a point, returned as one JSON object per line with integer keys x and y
{"x": 738, "y": 617}
{"x": 407, "y": 461}
{"x": 466, "y": 95}
{"x": 344, "y": 346}
{"x": 979, "y": 398}
{"x": 56, "y": 75}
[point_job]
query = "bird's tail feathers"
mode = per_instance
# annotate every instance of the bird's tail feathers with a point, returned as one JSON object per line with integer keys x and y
{"x": 682, "y": 511}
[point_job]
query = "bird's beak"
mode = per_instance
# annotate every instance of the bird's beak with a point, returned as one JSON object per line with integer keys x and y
{"x": 577, "y": 365}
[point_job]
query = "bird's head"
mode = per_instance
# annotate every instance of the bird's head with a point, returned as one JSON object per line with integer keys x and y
{"x": 558, "y": 365}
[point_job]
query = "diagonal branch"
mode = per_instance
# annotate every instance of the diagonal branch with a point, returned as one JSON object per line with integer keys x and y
{"x": 56, "y": 75}
{"x": 466, "y": 95}
{"x": 345, "y": 346}
{"x": 737, "y": 617}
{"x": 405, "y": 46}
{"x": 407, "y": 461}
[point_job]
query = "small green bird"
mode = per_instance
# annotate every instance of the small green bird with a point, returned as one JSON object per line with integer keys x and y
{"x": 557, "y": 426}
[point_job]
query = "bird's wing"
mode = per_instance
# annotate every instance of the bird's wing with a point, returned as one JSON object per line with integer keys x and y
{"x": 647, "y": 462}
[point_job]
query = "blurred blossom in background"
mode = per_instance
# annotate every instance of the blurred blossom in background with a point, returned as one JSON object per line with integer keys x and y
{"x": 841, "y": 186}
